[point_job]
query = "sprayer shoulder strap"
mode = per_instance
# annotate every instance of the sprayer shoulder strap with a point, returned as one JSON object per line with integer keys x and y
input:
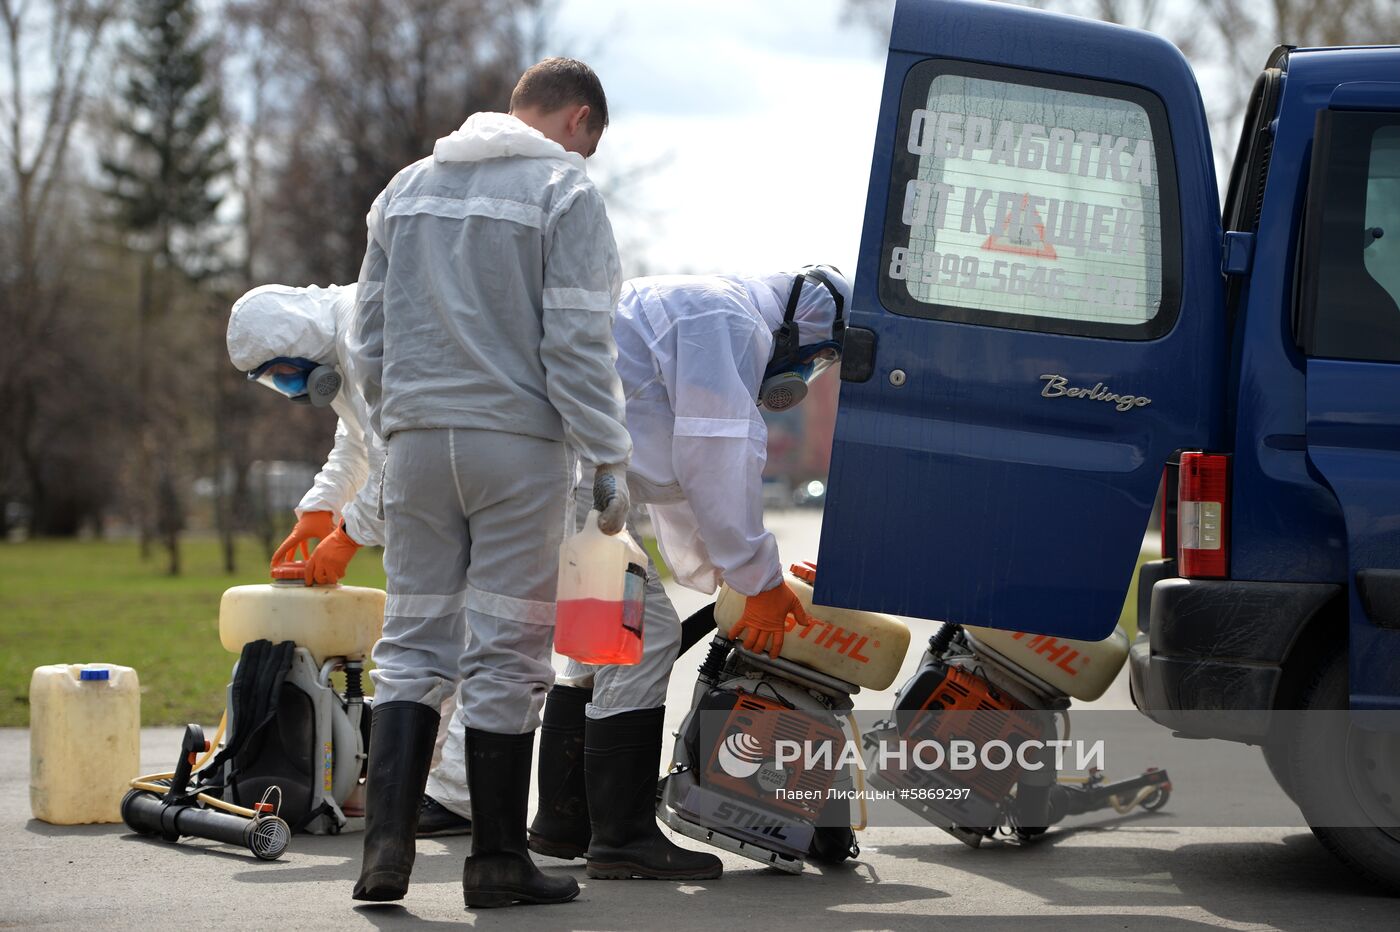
{"x": 257, "y": 685}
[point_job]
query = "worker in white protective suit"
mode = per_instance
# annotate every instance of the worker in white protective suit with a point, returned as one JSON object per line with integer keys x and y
{"x": 483, "y": 340}
{"x": 293, "y": 341}
{"x": 280, "y": 335}
{"x": 698, "y": 356}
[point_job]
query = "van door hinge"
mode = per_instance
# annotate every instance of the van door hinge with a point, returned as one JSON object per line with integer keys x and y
{"x": 1237, "y": 256}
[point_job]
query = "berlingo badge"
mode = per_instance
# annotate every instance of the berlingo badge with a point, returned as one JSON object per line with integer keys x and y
{"x": 1057, "y": 386}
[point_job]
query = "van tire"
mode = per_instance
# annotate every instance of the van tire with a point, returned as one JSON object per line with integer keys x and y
{"x": 1276, "y": 755}
{"x": 1314, "y": 756}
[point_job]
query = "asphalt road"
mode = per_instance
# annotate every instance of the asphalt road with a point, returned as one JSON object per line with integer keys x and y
{"x": 1140, "y": 871}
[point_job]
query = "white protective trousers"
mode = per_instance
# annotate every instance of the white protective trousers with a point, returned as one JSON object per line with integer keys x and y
{"x": 473, "y": 524}
{"x": 616, "y": 689}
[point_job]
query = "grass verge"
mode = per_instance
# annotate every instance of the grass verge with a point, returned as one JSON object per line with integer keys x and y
{"x": 97, "y": 601}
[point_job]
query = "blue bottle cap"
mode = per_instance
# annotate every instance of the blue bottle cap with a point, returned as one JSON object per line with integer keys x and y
{"x": 94, "y": 674}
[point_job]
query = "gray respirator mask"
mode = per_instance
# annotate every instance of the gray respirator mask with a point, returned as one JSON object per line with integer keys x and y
{"x": 794, "y": 367}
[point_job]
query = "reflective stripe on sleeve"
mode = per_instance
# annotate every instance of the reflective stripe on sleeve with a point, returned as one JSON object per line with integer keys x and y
{"x": 738, "y": 428}
{"x": 578, "y": 299}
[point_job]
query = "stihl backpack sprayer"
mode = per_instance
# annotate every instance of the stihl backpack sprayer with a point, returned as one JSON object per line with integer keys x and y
{"x": 295, "y": 750}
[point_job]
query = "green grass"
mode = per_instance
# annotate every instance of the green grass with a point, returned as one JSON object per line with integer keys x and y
{"x": 85, "y": 601}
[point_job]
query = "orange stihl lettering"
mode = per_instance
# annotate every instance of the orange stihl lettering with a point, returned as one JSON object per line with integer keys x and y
{"x": 855, "y": 653}
{"x": 1053, "y": 649}
{"x": 841, "y": 640}
{"x": 1065, "y": 664}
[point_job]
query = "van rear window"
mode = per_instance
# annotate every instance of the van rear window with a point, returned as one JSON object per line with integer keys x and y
{"x": 1037, "y": 202}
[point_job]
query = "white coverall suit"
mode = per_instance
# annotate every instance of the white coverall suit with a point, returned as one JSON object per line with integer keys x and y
{"x": 314, "y": 323}
{"x": 692, "y": 351}
{"x": 483, "y": 340}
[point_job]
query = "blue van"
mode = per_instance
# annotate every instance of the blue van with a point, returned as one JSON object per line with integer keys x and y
{"x": 1052, "y": 313}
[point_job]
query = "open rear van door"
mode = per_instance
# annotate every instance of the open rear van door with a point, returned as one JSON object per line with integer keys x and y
{"x": 1038, "y": 320}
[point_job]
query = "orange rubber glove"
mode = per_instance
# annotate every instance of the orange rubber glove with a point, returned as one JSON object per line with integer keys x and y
{"x": 765, "y": 619}
{"x": 312, "y": 525}
{"x": 331, "y": 558}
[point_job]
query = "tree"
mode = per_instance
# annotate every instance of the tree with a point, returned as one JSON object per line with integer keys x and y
{"x": 363, "y": 88}
{"x": 165, "y": 188}
{"x": 52, "y": 398}
{"x": 327, "y": 102}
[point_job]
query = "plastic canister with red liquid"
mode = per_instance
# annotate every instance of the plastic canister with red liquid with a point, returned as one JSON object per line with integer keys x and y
{"x": 602, "y": 592}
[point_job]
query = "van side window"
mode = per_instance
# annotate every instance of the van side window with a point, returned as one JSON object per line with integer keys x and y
{"x": 1353, "y": 306}
{"x": 1380, "y": 255}
{"x": 1031, "y": 201}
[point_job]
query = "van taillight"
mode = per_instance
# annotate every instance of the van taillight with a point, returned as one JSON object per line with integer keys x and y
{"x": 1203, "y": 516}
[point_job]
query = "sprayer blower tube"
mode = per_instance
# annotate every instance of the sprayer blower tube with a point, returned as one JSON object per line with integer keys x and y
{"x": 148, "y": 814}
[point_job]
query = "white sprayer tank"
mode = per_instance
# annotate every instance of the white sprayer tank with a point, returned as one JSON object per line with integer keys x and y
{"x": 84, "y": 741}
{"x": 1082, "y": 670}
{"x": 863, "y": 648}
{"x": 329, "y": 621}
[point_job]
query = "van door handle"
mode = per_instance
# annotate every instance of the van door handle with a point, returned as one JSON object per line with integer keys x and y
{"x": 858, "y": 355}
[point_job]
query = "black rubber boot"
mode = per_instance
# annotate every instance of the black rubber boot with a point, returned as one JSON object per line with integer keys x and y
{"x": 499, "y": 871}
{"x": 561, "y": 828}
{"x": 622, "y": 753}
{"x": 400, "y": 752}
{"x": 436, "y": 821}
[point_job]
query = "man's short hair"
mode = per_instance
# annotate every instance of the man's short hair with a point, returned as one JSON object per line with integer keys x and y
{"x": 561, "y": 82}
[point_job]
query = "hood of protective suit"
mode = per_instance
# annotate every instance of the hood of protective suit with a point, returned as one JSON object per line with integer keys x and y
{"x": 277, "y": 320}
{"x": 816, "y": 311}
{"x": 489, "y": 135}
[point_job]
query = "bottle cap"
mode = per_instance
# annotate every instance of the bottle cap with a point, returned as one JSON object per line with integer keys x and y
{"x": 94, "y": 674}
{"x": 292, "y": 570}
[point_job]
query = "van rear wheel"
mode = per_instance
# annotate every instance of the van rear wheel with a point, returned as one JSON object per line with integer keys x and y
{"x": 1344, "y": 774}
{"x": 1277, "y": 756}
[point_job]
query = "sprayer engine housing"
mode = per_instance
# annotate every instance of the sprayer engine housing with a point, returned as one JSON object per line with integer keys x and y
{"x": 945, "y": 702}
{"x": 727, "y": 787}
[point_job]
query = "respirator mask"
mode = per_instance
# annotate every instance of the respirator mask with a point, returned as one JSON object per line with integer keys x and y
{"x": 304, "y": 381}
{"x": 794, "y": 367}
